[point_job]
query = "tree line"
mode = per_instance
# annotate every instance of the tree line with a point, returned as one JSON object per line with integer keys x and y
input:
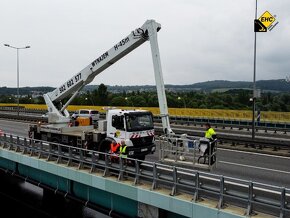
{"x": 238, "y": 99}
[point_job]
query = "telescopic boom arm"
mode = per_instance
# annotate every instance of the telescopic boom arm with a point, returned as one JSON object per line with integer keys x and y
{"x": 57, "y": 112}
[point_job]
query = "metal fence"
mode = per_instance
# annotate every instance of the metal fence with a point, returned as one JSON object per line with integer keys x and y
{"x": 187, "y": 150}
{"x": 224, "y": 122}
{"x": 253, "y": 197}
{"x": 184, "y": 112}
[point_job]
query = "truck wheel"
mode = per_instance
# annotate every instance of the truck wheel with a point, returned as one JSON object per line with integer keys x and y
{"x": 142, "y": 157}
{"x": 54, "y": 140}
{"x": 104, "y": 147}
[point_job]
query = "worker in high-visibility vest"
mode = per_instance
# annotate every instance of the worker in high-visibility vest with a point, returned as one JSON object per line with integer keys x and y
{"x": 114, "y": 151}
{"x": 123, "y": 149}
{"x": 209, "y": 133}
{"x": 114, "y": 147}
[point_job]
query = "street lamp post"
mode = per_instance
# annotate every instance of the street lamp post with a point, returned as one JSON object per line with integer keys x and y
{"x": 129, "y": 101}
{"x": 254, "y": 79}
{"x": 184, "y": 104}
{"x": 17, "y": 49}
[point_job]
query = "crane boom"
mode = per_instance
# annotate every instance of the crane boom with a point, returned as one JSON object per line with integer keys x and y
{"x": 57, "y": 112}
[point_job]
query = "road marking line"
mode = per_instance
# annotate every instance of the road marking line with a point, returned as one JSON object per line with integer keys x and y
{"x": 217, "y": 179}
{"x": 248, "y": 152}
{"x": 259, "y": 168}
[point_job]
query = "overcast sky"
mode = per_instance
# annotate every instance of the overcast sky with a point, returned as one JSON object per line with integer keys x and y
{"x": 199, "y": 40}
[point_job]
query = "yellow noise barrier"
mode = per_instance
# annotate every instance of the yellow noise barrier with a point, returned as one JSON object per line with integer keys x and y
{"x": 206, "y": 113}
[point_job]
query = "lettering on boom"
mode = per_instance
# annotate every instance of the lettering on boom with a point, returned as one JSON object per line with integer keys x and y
{"x": 121, "y": 43}
{"x": 101, "y": 58}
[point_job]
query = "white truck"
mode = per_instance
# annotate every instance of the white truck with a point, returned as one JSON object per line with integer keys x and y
{"x": 135, "y": 127}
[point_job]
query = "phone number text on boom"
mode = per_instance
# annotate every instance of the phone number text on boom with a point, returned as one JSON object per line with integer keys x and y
{"x": 70, "y": 83}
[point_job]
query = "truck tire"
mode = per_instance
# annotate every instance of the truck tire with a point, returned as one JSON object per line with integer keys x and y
{"x": 104, "y": 147}
{"x": 54, "y": 140}
{"x": 142, "y": 157}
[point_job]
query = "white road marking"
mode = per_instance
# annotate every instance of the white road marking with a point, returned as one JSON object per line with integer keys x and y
{"x": 258, "y": 168}
{"x": 215, "y": 177}
{"x": 253, "y": 153}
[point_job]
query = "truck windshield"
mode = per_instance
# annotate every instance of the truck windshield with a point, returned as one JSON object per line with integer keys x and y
{"x": 139, "y": 121}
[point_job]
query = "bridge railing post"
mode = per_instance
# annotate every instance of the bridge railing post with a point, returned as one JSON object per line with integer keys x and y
{"x": 50, "y": 145}
{"x": 250, "y": 199}
{"x": 197, "y": 187}
{"x": 18, "y": 145}
{"x": 161, "y": 150}
{"x": 24, "y": 151}
{"x": 70, "y": 156}
{"x": 10, "y": 142}
{"x": 194, "y": 151}
{"x": 106, "y": 171}
{"x": 283, "y": 202}
{"x": 174, "y": 188}
{"x": 40, "y": 150}
{"x": 137, "y": 172}
{"x": 4, "y": 141}
{"x": 59, "y": 154}
{"x": 81, "y": 154}
{"x": 95, "y": 156}
{"x": 222, "y": 192}
{"x": 32, "y": 147}
{"x": 154, "y": 182}
{"x": 121, "y": 171}
{"x": 176, "y": 149}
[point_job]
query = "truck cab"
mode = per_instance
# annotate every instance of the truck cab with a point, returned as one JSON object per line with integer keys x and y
{"x": 135, "y": 127}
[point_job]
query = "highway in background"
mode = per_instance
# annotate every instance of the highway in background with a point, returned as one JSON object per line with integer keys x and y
{"x": 256, "y": 167}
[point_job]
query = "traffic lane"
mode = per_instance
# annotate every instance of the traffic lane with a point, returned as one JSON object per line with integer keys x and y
{"x": 226, "y": 160}
{"x": 13, "y": 127}
{"x": 242, "y": 171}
{"x": 247, "y": 166}
{"x": 255, "y": 167}
{"x": 244, "y": 158}
{"x": 241, "y": 157}
{"x": 251, "y": 173}
{"x": 254, "y": 159}
{"x": 195, "y": 131}
{"x": 198, "y": 130}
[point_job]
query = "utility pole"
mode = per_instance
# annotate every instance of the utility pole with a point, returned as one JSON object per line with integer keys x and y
{"x": 18, "y": 95}
{"x": 254, "y": 79}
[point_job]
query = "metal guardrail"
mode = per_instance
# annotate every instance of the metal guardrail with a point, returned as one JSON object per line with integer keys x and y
{"x": 252, "y": 196}
{"x": 23, "y": 117}
{"x": 241, "y": 124}
{"x": 259, "y": 142}
{"x": 235, "y": 138}
{"x": 187, "y": 150}
{"x": 23, "y": 110}
{"x": 231, "y": 123}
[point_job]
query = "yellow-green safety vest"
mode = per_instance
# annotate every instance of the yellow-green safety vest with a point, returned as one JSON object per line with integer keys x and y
{"x": 209, "y": 133}
{"x": 123, "y": 151}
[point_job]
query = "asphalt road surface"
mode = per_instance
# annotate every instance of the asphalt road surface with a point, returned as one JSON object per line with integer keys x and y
{"x": 264, "y": 168}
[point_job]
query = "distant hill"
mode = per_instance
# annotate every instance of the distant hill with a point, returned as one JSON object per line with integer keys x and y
{"x": 278, "y": 85}
{"x": 25, "y": 90}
